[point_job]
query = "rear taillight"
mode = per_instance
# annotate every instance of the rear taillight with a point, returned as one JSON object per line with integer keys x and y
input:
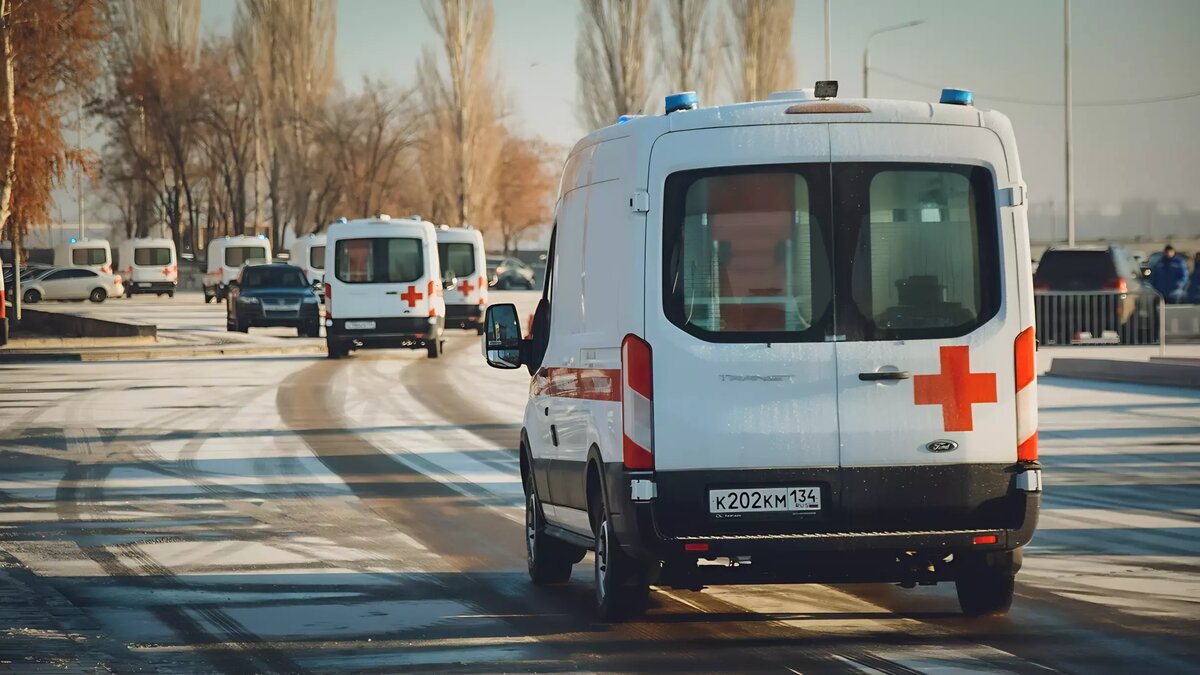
{"x": 1041, "y": 286}
{"x": 637, "y": 403}
{"x": 116, "y": 281}
{"x": 1118, "y": 285}
{"x": 1025, "y": 367}
{"x": 328, "y": 301}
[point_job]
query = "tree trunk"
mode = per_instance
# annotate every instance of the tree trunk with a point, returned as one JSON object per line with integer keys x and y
{"x": 8, "y": 136}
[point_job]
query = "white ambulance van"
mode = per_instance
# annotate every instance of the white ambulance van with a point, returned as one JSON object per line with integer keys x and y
{"x": 791, "y": 340}
{"x": 148, "y": 265}
{"x": 383, "y": 286}
{"x": 464, "y": 276}
{"x": 226, "y": 257}
{"x": 93, "y": 254}
{"x": 308, "y": 253}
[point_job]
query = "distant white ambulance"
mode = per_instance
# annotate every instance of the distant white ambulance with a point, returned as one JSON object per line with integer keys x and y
{"x": 383, "y": 286}
{"x": 464, "y": 275}
{"x": 92, "y": 254}
{"x": 790, "y": 339}
{"x": 148, "y": 265}
{"x": 308, "y": 253}
{"x": 226, "y": 257}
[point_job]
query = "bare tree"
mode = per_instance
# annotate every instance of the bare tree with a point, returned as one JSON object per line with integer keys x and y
{"x": 760, "y": 57}
{"x": 687, "y": 50}
{"x": 611, "y": 59}
{"x": 460, "y": 149}
{"x": 291, "y": 44}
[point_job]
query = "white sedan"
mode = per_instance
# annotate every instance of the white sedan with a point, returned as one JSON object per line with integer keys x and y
{"x": 72, "y": 283}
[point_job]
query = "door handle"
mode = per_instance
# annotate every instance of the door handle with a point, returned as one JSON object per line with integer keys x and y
{"x": 884, "y": 375}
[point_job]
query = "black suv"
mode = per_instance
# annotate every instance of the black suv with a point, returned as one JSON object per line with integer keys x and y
{"x": 273, "y": 295}
{"x": 1087, "y": 293}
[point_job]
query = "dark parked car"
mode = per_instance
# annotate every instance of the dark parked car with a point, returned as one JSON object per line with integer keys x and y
{"x": 511, "y": 273}
{"x": 273, "y": 295}
{"x": 1092, "y": 292}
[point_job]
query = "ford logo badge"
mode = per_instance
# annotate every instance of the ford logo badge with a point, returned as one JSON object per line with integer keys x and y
{"x": 941, "y": 446}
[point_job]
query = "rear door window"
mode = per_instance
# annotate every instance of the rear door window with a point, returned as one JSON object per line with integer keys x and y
{"x": 236, "y": 256}
{"x": 1065, "y": 270}
{"x": 379, "y": 260}
{"x": 918, "y": 249}
{"x": 316, "y": 257}
{"x": 457, "y": 259}
{"x": 88, "y": 256}
{"x": 151, "y": 256}
{"x": 745, "y": 255}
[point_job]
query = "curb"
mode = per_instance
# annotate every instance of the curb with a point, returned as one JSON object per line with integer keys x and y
{"x": 152, "y": 354}
{"x": 1162, "y": 373}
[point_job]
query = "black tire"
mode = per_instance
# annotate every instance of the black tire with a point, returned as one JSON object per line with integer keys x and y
{"x": 549, "y": 560}
{"x": 208, "y": 297}
{"x": 336, "y": 349}
{"x": 984, "y": 590}
{"x": 621, "y": 587}
{"x": 31, "y": 297}
{"x": 479, "y": 327}
{"x": 170, "y": 294}
{"x": 310, "y": 330}
{"x": 502, "y": 284}
{"x": 433, "y": 348}
{"x": 97, "y": 295}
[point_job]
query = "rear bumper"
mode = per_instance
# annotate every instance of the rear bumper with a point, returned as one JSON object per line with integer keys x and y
{"x": 463, "y": 316}
{"x": 132, "y": 287}
{"x": 388, "y": 332}
{"x": 871, "y": 518}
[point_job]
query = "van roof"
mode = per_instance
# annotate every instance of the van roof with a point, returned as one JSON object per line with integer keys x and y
{"x": 369, "y": 226}
{"x": 459, "y": 234}
{"x": 801, "y": 110}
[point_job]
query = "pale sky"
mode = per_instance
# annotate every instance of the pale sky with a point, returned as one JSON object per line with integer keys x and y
{"x": 1122, "y": 50}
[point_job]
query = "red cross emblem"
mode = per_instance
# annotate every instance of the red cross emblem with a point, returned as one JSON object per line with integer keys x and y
{"x": 411, "y": 296}
{"x": 956, "y": 388}
{"x": 465, "y": 287}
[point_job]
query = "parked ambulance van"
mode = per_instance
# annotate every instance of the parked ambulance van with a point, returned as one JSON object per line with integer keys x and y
{"x": 308, "y": 253}
{"x": 148, "y": 265}
{"x": 226, "y": 257}
{"x": 93, "y": 254}
{"x": 464, "y": 276}
{"x": 383, "y": 286}
{"x": 793, "y": 338}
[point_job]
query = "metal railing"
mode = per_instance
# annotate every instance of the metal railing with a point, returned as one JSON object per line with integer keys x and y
{"x": 1103, "y": 318}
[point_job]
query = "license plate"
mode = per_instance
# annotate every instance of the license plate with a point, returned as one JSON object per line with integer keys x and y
{"x": 764, "y": 500}
{"x": 360, "y": 325}
{"x": 143, "y": 284}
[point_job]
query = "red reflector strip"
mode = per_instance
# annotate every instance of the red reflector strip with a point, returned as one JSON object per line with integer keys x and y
{"x": 695, "y": 547}
{"x": 1027, "y": 451}
{"x": 985, "y": 539}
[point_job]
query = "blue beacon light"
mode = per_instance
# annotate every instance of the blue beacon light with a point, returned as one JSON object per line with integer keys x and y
{"x": 957, "y": 97}
{"x": 686, "y": 100}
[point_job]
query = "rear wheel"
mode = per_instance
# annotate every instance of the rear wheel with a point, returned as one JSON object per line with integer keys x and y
{"x": 336, "y": 349}
{"x": 621, "y": 587}
{"x": 208, "y": 297}
{"x": 310, "y": 330}
{"x": 97, "y": 295}
{"x": 479, "y": 328}
{"x": 433, "y": 348}
{"x": 984, "y": 589}
{"x": 31, "y": 296}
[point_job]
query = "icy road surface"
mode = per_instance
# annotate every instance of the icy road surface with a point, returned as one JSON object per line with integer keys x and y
{"x": 286, "y": 514}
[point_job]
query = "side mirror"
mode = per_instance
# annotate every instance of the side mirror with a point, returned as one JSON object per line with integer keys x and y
{"x": 502, "y": 337}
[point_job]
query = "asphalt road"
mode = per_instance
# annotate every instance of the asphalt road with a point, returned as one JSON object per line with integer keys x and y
{"x": 297, "y": 514}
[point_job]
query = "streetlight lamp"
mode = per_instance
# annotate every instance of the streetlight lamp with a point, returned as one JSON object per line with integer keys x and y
{"x": 867, "y": 49}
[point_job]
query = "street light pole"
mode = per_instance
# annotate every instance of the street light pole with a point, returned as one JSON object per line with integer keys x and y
{"x": 1070, "y": 147}
{"x": 867, "y": 50}
{"x": 828, "y": 45}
